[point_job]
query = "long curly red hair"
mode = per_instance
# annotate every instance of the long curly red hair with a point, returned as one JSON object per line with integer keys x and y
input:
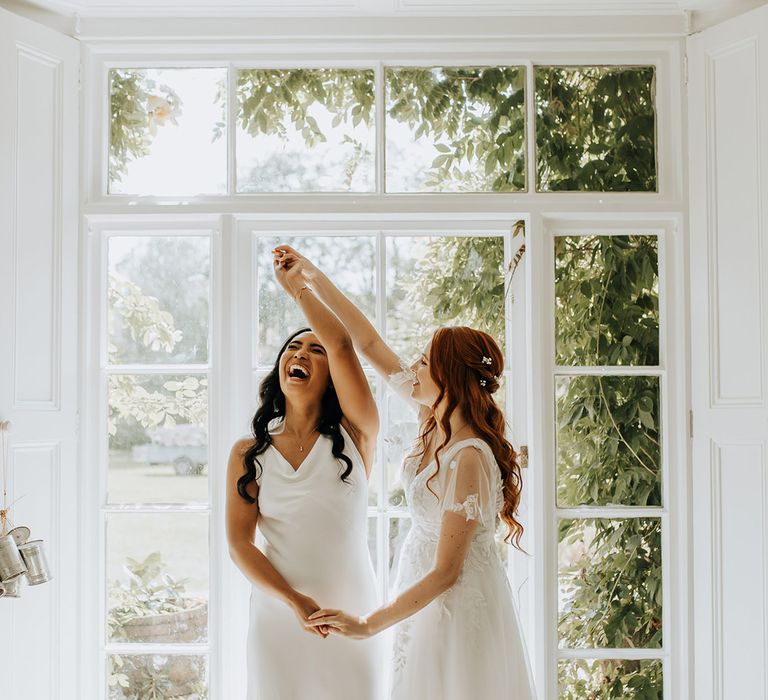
{"x": 467, "y": 383}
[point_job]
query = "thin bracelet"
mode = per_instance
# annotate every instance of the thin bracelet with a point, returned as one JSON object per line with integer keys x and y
{"x": 297, "y": 296}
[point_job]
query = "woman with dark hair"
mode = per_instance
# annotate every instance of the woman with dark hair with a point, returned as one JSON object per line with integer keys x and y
{"x": 301, "y": 480}
{"x": 458, "y": 635}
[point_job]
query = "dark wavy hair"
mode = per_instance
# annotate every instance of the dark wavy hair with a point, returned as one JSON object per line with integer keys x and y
{"x": 273, "y": 406}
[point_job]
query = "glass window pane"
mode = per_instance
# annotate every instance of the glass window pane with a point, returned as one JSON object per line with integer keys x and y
{"x": 350, "y": 261}
{"x": 608, "y": 441}
{"x": 305, "y": 130}
{"x": 608, "y": 679}
{"x": 455, "y": 129}
{"x": 606, "y": 300}
{"x": 610, "y": 583}
{"x": 158, "y": 299}
{"x": 157, "y": 676}
{"x": 443, "y": 280}
{"x": 596, "y": 128}
{"x": 168, "y": 131}
{"x": 157, "y": 574}
{"x": 158, "y": 438}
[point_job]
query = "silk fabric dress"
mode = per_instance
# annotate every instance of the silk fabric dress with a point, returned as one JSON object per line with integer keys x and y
{"x": 313, "y": 529}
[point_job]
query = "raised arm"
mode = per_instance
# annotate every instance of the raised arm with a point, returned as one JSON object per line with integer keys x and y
{"x": 241, "y": 520}
{"x": 364, "y": 336}
{"x": 355, "y": 398}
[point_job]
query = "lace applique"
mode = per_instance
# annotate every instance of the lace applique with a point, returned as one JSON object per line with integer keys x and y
{"x": 404, "y": 376}
{"x": 402, "y": 639}
{"x": 470, "y": 507}
{"x": 463, "y": 595}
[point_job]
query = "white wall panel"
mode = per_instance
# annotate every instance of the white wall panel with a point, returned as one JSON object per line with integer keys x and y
{"x": 39, "y": 204}
{"x": 36, "y": 469}
{"x": 740, "y": 554}
{"x": 37, "y": 230}
{"x": 735, "y": 189}
{"x": 728, "y": 126}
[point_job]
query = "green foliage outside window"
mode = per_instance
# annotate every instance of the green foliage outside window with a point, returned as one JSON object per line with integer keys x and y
{"x": 607, "y": 300}
{"x": 267, "y": 97}
{"x": 474, "y": 116}
{"x": 595, "y": 129}
{"x": 457, "y": 280}
{"x": 595, "y": 126}
{"x": 609, "y": 452}
{"x": 608, "y": 442}
{"x": 137, "y": 106}
{"x": 609, "y": 679}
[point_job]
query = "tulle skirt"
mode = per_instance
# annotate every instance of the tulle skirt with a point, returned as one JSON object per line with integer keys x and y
{"x": 467, "y": 643}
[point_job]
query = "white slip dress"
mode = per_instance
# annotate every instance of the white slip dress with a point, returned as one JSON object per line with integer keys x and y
{"x": 313, "y": 529}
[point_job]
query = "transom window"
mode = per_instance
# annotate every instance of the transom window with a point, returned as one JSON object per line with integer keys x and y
{"x": 444, "y": 129}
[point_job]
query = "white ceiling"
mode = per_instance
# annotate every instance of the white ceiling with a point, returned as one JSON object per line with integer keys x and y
{"x": 255, "y": 8}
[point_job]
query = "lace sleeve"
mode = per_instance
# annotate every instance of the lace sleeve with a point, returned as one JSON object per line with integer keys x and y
{"x": 402, "y": 382}
{"x": 470, "y": 485}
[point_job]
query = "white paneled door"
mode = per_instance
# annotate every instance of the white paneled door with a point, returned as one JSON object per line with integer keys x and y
{"x": 728, "y": 107}
{"x": 38, "y": 347}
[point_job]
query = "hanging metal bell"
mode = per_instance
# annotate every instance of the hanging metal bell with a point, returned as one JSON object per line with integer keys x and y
{"x": 11, "y": 563}
{"x": 13, "y": 587}
{"x": 34, "y": 557}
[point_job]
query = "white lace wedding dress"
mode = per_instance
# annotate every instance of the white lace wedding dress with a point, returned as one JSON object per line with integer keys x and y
{"x": 467, "y": 643}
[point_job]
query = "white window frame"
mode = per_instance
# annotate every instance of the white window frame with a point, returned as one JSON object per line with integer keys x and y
{"x": 227, "y": 216}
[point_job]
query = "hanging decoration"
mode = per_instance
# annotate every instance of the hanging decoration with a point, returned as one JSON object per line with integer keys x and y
{"x": 20, "y": 557}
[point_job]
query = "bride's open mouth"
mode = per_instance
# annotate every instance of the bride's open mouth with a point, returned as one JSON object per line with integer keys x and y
{"x": 297, "y": 372}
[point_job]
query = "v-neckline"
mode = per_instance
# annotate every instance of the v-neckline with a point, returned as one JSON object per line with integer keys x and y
{"x": 297, "y": 469}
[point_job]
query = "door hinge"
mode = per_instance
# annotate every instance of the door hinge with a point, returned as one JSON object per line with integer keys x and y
{"x": 690, "y": 424}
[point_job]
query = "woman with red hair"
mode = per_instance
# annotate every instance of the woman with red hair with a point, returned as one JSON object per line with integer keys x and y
{"x": 457, "y": 634}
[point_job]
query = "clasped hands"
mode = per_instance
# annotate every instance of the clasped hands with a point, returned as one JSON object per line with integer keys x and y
{"x": 324, "y": 621}
{"x": 292, "y": 269}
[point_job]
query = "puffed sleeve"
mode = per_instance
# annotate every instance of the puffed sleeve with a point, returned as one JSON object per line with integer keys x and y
{"x": 472, "y": 482}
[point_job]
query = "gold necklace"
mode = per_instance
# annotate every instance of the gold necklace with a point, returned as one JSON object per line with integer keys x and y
{"x": 301, "y": 447}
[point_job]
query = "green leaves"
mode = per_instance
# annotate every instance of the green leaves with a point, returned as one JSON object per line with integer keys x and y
{"x": 472, "y": 119}
{"x": 608, "y": 442}
{"x": 608, "y": 453}
{"x": 596, "y": 128}
{"x": 607, "y": 300}
{"x": 305, "y": 130}
{"x": 610, "y": 583}
{"x": 457, "y": 280}
{"x": 595, "y": 125}
{"x": 137, "y": 106}
{"x": 268, "y": 99}
{"x": 582, "y": 679}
